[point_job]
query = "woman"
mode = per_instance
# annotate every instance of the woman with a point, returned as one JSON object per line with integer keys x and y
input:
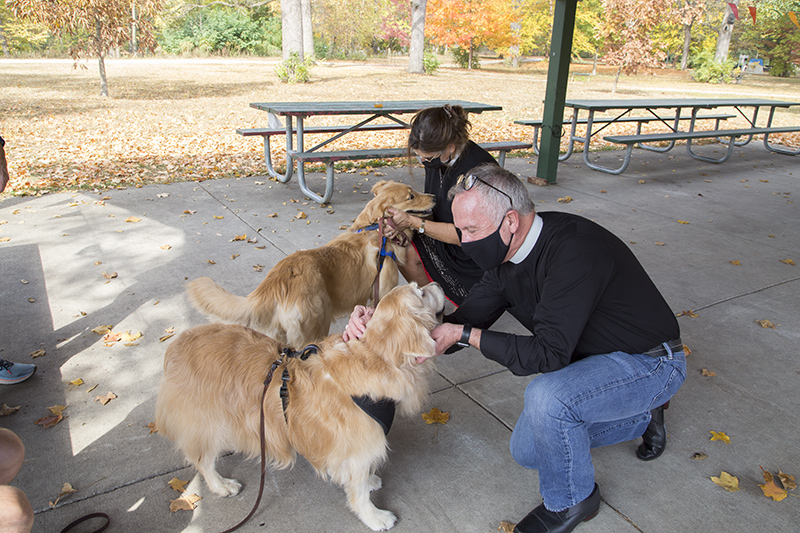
{"x": 440, "y": 140}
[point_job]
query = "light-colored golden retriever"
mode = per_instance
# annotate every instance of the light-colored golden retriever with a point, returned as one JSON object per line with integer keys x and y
{"x": 308, "y": 289}
{"x": 213, "y": 383}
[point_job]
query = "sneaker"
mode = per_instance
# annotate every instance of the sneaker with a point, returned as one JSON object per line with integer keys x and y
{"x": 11, "y": 373}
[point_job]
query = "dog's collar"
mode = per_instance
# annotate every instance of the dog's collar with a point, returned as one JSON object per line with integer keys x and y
{"x": 371, "y": 227}
{"x": 381, "y": 411}
{"x": 285, "y": 378}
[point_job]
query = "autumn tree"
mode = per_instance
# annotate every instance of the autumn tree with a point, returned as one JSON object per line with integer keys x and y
{"x": 416, "y": 51}
{"x": 628, "y": 33}
{"x": 95, "y": 25}
{"x": 725, "y": 33}
{"x": 691, "y": 12}
{"x": 470, "y": 24}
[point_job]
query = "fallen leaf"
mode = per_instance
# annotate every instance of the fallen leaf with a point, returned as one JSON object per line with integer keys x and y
{"x": 5, "y": 410}
{"x": 564, "y": 200}
{"x": 686, "y": 350}
{"x": 178, "y": 484}
{"x": 766, "y": 323}
{"x": 49, "y": 421}
{"x": 57, "y": 410}
{"x": 234, "y": 256}
{"x": 683, "y": 222}
{"x": 708, "y": 373}
{"x": 211, "y": 262}
{"x": 787, "y": 480}
{"x": 38, "y": 353}
{"x": 218, "y": 217}
{"x": 32, "y": 300}
{"x": 65, "y": 490}
{"x": 688, "y": 313}
{"x": 152, "y": 427}
{"x": 506, "y": 527}
{"x": 102, "y": 330}
{"x": 736, "y": 262}
{"x": 720, "y": 437}
{"x": 109, "y": 276}
{"x": 162, "y": 195}
{"x": 660, "y": 243}
{"x": 273, "y": 215}
{"x": 699, "y": 456}
{"x": 165, "y": 337}
{"x": 166, "y": 247}
{"x": 435, "y": 416}
{"x": 300, "y": 215}
{"x": 239, "y": 238}
{"x": 258, "y": 268}
{"x": 189, "y": 211}
{"x": 128, "y": 337}
{"x": 770, "y": 489}
{"x": 788, "y": 262}
{"x": 539, "y": 182}
{"x": 185, "y": 503}
{"x": 111, "y": 338}
{"x": 92, "y": 388}
{"x": 133, "y": 219}
{"x": 105, "y": 399}
{"x": 5, "y": 239}
{"x": 727, "y": 481}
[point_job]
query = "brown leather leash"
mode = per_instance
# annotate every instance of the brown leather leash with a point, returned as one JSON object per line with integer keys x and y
{"x": 399, "y": 239}
{"x": 267, "y": 381}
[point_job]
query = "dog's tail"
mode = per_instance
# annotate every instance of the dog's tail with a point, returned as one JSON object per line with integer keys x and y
{"x": 211, "y": 299}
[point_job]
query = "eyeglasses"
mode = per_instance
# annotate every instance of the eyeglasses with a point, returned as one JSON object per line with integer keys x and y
{"x": 428, "y": 159}
{"x": 467, "y": 181}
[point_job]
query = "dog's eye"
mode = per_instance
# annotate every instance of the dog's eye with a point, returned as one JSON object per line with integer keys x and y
{"x": 410, "y": 196}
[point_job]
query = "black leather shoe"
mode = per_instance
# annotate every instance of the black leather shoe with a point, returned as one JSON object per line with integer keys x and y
{"x": 540, "y": 520}
{"x": 654, "y": 439}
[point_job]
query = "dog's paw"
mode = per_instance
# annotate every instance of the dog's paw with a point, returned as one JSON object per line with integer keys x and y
{"x": 374, "y": 483}
{"x": 380, "y": 520}
{"x": 228, "y": 487}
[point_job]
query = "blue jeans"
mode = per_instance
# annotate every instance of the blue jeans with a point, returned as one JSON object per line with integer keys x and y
{"x": 597, "y": 401}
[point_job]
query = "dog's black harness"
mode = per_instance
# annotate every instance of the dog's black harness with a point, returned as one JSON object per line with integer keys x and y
{"x": 381, "y": 411}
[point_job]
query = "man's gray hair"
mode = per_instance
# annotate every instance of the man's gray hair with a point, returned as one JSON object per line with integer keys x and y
{"x": 495, "y": 199}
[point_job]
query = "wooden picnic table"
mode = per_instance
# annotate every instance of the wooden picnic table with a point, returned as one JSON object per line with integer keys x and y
{"x": 371, "y": 109}
{"x": 623, "y": 108}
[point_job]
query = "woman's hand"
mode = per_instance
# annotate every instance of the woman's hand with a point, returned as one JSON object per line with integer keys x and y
{"x": 357, "y": 323}
{"x": 401, "y": 220}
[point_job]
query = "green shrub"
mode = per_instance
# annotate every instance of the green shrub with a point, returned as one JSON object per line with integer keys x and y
{"x": 781, "y": 68}
{"x": 461, "y": 57}
{"x": 429, "y": 63}
{"x": 293, "y": 70}
{"x": 706, "y": 70}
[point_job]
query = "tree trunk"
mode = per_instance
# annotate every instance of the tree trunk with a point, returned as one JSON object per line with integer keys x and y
{"x": 101, "y": 53}
{"x": 308, "y": 32}
{"x": 725, "y": 32}
{"x": 469, "y": 58}
{"x": 687, "y": 41}
{"x": 616, "y": 80}
{"x": 292, "y": 28}
{"x": 134, "y": 45}
{"x": 594, "y": 64}
{"x": 416, "y": 49}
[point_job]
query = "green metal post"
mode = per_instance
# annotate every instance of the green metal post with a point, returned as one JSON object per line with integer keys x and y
{"x": 556, "y": 92}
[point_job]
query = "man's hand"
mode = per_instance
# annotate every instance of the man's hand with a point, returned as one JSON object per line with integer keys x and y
{"x": 446, "y": 335}
{"x": 357, "y": 323}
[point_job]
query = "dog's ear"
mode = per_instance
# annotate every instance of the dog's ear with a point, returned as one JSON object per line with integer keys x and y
{"x": 375, "y": 208}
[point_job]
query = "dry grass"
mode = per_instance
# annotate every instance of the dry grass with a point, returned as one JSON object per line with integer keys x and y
{"x": 175, "y": 119}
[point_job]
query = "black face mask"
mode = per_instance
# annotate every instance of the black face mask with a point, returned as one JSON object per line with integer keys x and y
{"x": 436, "y": 162}
{"x": 489, "y": 252}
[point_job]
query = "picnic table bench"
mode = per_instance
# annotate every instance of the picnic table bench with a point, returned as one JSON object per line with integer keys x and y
{"x": 675, "y": 133}
{"x": 639, "y": 120}
{"x": 329, "y": 158}
{"x": 387, "y": 110}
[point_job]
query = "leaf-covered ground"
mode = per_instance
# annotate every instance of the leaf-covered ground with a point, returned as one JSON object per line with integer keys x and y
{"x": 175, "y": 119}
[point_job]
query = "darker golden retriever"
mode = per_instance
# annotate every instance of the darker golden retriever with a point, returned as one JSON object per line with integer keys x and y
{"x": 308, "y": 289}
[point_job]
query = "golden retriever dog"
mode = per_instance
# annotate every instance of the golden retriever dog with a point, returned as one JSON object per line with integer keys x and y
{"x": 213, "y": 383}
{"x": 308, "y": 289}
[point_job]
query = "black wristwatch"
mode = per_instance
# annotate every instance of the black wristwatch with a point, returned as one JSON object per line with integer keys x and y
{"x": 464, "y": 341}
